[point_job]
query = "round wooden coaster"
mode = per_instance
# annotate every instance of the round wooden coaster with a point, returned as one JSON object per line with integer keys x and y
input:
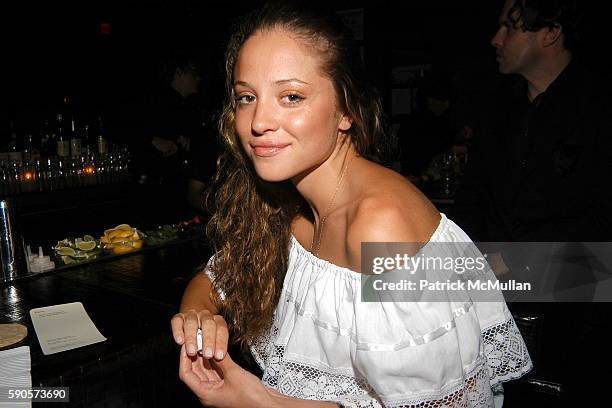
{"x": 12, "y": 333}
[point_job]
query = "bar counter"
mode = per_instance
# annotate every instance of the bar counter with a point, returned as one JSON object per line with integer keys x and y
{"x": 130, "y": 299}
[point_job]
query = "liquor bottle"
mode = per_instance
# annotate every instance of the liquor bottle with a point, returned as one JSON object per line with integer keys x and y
{"x": 86, "y": 148}
{"x": 14, "y": 152}
{"x": 102, "y": 143}
{"x": 75, "y": 141}
{"x": 62, "y": 142}
{"x": 45, "y": 139}
{"x": 29, "y": 149}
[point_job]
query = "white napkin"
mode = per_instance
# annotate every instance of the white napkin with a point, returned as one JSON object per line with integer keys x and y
{"x": 64, "y": 327}
{"x": 15, "y": 368}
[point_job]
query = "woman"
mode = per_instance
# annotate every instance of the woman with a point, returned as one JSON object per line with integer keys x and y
{"x": 299, "y": 193}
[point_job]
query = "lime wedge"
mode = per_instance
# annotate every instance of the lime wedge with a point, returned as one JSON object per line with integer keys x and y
{"x": 94, "y": 253}
{"x": 67, "y": 260}
{"x": 63, "y": 243}
{"x": 80, "y": 255}
{"x": 86, "y": 245}
{"x": 88, "y": 238}
{"x": 65, "y": 251}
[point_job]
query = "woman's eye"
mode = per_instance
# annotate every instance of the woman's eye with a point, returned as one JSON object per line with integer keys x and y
{"x": 245, "y": 99}
{"x": 292, "y": 98}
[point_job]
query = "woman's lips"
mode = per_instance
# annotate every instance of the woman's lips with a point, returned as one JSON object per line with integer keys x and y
{"x": 265, "y": 150}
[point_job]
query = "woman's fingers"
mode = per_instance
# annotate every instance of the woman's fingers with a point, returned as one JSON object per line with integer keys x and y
{"x": 215, "y": 334}
{"x": 196, "y": 379}
{"x": 222, "y": 337}
{"x": 177, "y": 323}
{"x": 225, "y": 365}
{"x": 199, "y": 376}
{"x": 209, "y": 335}
{"x": 186, "y": 372}
{"x": 190, "y": 329}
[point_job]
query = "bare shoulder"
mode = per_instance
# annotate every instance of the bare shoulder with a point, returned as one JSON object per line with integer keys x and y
{"x": 390, "y": 210}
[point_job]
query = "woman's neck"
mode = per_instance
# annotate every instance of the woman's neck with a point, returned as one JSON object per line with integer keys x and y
{"x": 325, "y": 183}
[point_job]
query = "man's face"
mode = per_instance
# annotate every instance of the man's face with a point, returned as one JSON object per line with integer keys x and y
{"x": 517, "y": 50}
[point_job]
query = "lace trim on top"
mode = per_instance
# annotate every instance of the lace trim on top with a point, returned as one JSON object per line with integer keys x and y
{"x": 504, "y": 358}
{"x": 325, "y": 343}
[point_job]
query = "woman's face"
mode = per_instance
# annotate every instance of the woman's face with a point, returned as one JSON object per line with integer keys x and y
{"x": 286, "y": 111}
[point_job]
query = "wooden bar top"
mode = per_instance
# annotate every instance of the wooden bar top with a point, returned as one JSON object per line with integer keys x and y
{"x": 130, "y": 299}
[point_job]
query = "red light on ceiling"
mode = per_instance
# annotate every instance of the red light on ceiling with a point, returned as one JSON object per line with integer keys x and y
{"x": 106, "y": 28}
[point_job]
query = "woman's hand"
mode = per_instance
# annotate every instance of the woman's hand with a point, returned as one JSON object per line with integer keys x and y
{"x": 215, "y": 334}
{"x": 223, "y": 384}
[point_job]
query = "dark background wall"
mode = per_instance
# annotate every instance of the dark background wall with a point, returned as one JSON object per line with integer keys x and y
{"x": 57, "y": 48}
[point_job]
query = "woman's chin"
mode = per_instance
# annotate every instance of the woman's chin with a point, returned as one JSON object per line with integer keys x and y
{"x": 272, "y": 176}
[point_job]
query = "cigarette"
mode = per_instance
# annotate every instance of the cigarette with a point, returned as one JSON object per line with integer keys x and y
{"x": 199, "y": 335}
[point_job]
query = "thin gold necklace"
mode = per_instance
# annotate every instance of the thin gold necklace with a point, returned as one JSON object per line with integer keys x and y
{"x": 317, "y": 235}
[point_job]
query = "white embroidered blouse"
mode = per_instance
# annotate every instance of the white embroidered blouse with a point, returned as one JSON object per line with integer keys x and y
{"x": 326, "y": 344}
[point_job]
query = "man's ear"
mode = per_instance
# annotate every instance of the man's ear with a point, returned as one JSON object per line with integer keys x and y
{"x": 552, "y": 35}
{"x": 345, "y": 123}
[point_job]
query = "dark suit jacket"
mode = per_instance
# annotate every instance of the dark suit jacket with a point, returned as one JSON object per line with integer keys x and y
{"x": 542, "y": 170}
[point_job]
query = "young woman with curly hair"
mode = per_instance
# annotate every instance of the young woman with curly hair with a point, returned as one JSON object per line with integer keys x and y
{"x": 299, "y": 190}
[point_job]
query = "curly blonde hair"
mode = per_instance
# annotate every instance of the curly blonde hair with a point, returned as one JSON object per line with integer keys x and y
{"x": 250, "y": 229}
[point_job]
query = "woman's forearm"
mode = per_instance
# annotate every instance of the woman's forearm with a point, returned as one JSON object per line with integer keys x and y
{"x": 197, "y": 295}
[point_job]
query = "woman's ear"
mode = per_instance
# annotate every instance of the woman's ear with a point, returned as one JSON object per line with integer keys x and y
{"x": 345, "y": 123}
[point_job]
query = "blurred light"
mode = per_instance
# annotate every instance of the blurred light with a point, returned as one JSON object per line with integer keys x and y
{"x": 106, "y": 28}
{"x": 89, "y": 170}
{"x": 28, "y": 176}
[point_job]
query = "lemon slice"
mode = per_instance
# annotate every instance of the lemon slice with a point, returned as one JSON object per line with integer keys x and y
{"x": 120, "y": 240}
{"x": 125, "y": 233}
{"x": 122, "y": 249}
{"x": 65, "y": 251}
{"x": 88, "y": 238}
{"x": 86, "y": 245}
{"x": 124, "y": 227}
{"x": 120, "y": 234}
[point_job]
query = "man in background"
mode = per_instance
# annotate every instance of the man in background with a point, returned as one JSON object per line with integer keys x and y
{"x": 174, "y": 137}
{"x": 539, "y": 172}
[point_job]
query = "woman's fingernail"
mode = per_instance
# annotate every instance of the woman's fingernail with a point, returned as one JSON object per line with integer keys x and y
{"x": 219, "y": 355}
{"x": 191, "y": 349}
{"x": 179, "y": 340}
{"x": 208, "y": 353}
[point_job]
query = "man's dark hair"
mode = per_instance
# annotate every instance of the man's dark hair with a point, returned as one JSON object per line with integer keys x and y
{"x": 178, "y": 60}
{"x": 533, "y": 15}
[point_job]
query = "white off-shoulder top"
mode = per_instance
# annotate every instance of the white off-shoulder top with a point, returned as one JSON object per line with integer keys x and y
{"x": 326, "y": 344}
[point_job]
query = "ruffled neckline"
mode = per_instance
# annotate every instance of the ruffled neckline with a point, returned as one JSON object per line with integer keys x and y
{"x": 322, "y": 263}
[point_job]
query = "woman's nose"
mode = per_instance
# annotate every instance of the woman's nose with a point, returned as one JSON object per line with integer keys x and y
{"x": 264, "y": 119}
